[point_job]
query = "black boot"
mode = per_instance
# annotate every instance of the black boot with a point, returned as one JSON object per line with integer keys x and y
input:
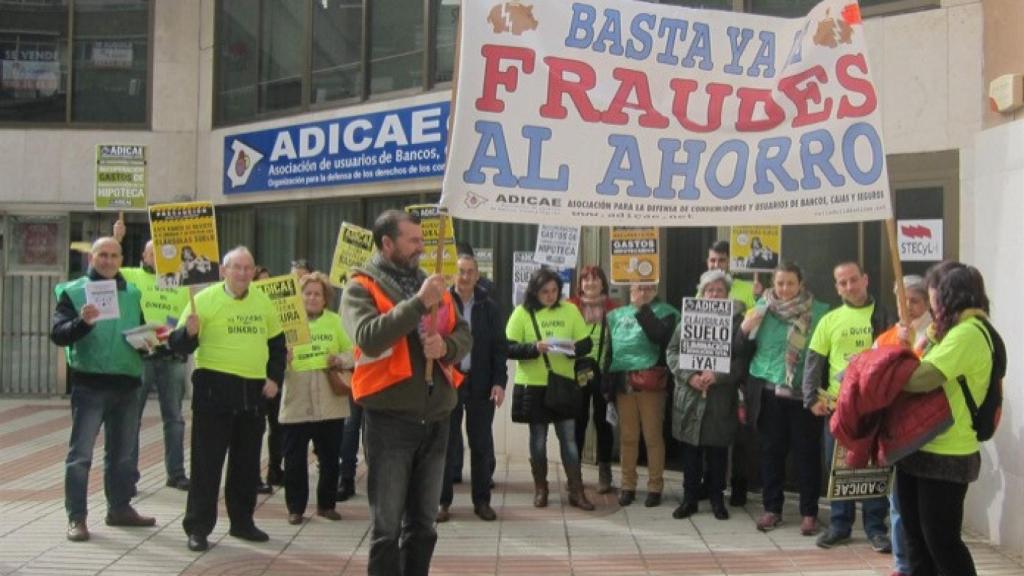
{"x": 718, "y": 507}
{"x": 540, "y": 483}
{"x": 738, "y": 497}
{"x": 346, "y": 489}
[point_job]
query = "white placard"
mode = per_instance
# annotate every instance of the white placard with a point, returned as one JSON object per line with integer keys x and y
{"x": 919, "y": 240}
{"x": 557, "y": 246}
{"x": 103, "y": 295}
{"x": 705, "y": 339}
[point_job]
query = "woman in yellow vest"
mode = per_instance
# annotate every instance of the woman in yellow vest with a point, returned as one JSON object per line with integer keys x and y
{"x": 545, "y": 334}
{"x": 940, "y": 471}
{"x": 314, "y": 403}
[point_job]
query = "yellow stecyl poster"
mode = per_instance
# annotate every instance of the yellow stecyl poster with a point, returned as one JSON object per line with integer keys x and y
{"x": 755, "y": 248}
{"x": 430, "y": 219}
{"x": 283, "y": 291}
{"x": 354, "y": 247}
{"x": 185, "y": 241}
{"x": 634, "y": 255}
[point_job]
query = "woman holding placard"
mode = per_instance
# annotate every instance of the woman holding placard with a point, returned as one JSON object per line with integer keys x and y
{"x": 315, "y": 403}
{"x": 780, "y": 325}
{"x": 705, "y": 407}
{"x": 544, "y": 335}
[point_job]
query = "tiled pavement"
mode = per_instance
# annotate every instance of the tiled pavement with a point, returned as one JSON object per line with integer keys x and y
{"x": 610, "y": 541}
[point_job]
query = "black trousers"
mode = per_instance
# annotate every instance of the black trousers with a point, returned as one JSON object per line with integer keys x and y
{"x": 786, "y": 426}
{"x": 605, "y": 437}
{"x": 479, "y": 413}
{"x": 933, "y": 516}
{"x": 326, "y": 437}
{"x": 216, "y": 433}
{"x": 693, "y": 470}
{"x": 275, "y": 440}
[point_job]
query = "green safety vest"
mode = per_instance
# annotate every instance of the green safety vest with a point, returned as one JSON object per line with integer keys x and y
{"x": 104, "y": 349}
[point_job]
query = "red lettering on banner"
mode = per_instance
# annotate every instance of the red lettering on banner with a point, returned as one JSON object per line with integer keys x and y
{"x": 681, "y": 103}
{"x": 856, "y": 85}
{"x": 803, "y": 96}
{"x": 749, "y": 99}
{"x": 633, "y": 82}
{"x": 493, "y": 76}
{"x": 558, "y": 86}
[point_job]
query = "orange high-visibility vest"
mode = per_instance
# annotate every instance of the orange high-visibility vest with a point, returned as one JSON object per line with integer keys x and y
{"x": 375, "y": 373}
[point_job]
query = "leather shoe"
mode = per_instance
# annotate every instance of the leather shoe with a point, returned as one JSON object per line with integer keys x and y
{"x": 719, "y": 510}
{"x": 78, "y": 531}
{"x": 250, "y": 533}
{"x": 346, "y": 489}
{"x": 182, "y": 483}
{"x": 485, "y": 512}
{"x": 264, "y": 488}
{"x": 809, "y": 525}
{"x": 329, "y": 513}
{"x": 198, "y": 543}
{"x": 295, "y": 519}
{"x": 443, "y": 515}
{"x": 653, "y": 499}
{"x": 127, "y": 516}
{"x": 685, "y": 510}
{"x": 626, "y": 497}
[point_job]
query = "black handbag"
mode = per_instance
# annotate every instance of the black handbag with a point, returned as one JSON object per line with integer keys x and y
{"x": 589, "y": 369}
{"x": 562, "y": 395}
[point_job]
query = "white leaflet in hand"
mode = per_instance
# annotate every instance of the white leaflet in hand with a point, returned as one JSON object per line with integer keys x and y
{"x": 560, "y": 346}
{"x": 103, "y": 295}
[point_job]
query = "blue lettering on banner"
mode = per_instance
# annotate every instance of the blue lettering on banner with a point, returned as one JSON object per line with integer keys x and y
{"x": 393, "y": 145}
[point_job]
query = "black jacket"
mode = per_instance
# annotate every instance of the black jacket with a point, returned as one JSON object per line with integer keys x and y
{"x": 489, "y": 356}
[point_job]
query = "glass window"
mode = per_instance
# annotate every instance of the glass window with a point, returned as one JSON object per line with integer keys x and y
{"x": 788, "y": 8}
{"x": 33, "y": 61}
{"x": 446, "y": 22}
{"x": 396, "y": 55}
{"x": 276, "y": 228}
{"x": 711, "y": 4}
{"x": 282, "y": 54}
{"x": 237, "y": 60}
{"x": 111, "y": 57}
{"x": 337, "y": 50}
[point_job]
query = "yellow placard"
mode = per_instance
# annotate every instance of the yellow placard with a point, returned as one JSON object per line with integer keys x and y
{"x": 755, "y": 248}
{"x": 354, "y": 248}
{"x": 283, "y": 291}
{"x": 185, "y": 243}
{"x": 430, "y": 224}
{"x": 634, "y": 255}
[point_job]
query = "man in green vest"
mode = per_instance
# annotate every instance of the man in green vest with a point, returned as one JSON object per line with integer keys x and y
{"x": 240, "y": 358}
{"x": 839, "y": 336}
{"x": 162, "y": 369}
{"x": 106, "y": 372}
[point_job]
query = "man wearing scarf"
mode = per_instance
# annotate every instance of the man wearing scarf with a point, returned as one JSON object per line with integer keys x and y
{"x": 406, "y": 416}
{"x": 840, "y": 335}
{"x": 162, "y": 369}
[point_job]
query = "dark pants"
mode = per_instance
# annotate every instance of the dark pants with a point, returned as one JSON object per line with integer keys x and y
{"x": 326, "y": 438}
{"x": 479, "y": 420}
{"x": 933, "y": 515}
{"x": 605, "y": 437}
{"x": 116, "y": 409}
{"x": 275, "y": 441}
{"x": 785, "y": 425}
{"x": 405, "y": 462}
{"x": 693, "y": 470}
{"x": 349, "y": 456}
{"x": 214, "y": 434}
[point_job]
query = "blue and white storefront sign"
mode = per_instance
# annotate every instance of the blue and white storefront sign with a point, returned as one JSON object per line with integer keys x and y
{"x": 392, "y": 145}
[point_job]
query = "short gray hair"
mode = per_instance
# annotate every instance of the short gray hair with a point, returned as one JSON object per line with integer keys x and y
{"x": 915, "y": 283}
{"x": 712, "y": 276}
{"x": 235, "y": 252}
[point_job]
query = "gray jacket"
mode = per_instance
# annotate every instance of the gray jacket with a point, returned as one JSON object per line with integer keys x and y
{"x": 375, "y": 333}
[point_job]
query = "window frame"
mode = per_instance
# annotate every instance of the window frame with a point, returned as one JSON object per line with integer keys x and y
{"x": 68, "y": 123}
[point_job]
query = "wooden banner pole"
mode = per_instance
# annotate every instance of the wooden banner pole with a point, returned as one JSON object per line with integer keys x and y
{"x": 897, "y": 268}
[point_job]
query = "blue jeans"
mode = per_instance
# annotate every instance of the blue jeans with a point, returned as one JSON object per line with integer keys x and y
{"x": 405, "y": 462}
{"x": 167, "y": 375}
{"x": 116, "y": 409}
{"x": 845, "y": 511}
{"x": 900, "y": 561}
{"x": 566, "y": 432}
{"x": 349, "y": 455}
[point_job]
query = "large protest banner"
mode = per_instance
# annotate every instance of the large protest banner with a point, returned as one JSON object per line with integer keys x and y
{"x": 354, "y": 247}
{"x": 283, "y": 291}
{"x": 609, "y": 112}
{"x": 185, "y": 241}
